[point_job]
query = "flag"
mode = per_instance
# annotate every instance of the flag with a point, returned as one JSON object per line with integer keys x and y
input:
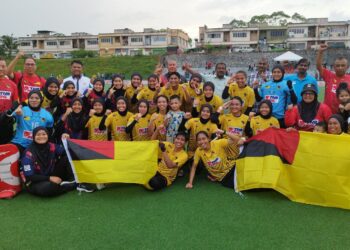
{"x": 306, "y": 167}
{"x": 112, "y": 161}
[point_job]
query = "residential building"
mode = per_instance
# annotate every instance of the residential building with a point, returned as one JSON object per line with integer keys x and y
{"x": 45, "y": 42}
{"x": 318, "y": 30}
{"x": 150, "y": 41}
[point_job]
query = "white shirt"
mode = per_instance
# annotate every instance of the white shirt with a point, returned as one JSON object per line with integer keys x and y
{"x": 218, "y": 83}
{"x": 81, "y": 84}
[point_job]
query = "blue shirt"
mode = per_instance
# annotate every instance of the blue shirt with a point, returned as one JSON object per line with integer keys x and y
{"x": 27, "y": 122}
{"x": 278, "y": 94}
{"x": 299, "y": 84}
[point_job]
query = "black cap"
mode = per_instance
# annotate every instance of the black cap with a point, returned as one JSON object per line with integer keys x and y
{"x": 309, "y": 87}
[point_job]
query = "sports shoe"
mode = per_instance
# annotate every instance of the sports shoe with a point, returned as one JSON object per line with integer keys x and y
{"x": 100, "y": 186}
{"x": 68, "y": 185}
{"x": 84, "y": 187}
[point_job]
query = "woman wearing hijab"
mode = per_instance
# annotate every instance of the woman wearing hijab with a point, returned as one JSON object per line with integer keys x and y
{"x": 96, "y": 92}
{"x": 137, "y": 125}
{"x": 335, "y": 125}
{"x": 278, "y": 92}
{"x": 45, "y": 167}
{"x": 74, "y": 121}
{"x": 262, "y": 121}
{"x": 51, "y": 99}
{"x": 116, "y": 90}
{"x": 30, "y": 117}
{"x": 68, "y": 94}
{"x": 308, "y": 112}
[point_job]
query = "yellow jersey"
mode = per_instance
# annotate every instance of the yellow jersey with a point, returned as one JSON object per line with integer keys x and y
{"x": 179, "y": 158}
{"x": 194, "y": 125}
{"x": 140, "y": 130}
{"x": 129, "y": 93}
{"x": 233, "y": 124}
{"x": 117, "y": 124}
{"x": 246, "y": 94}
{"x": 192, "y": 93}
{"x": 157, "y": 122}
{"x": 219, "y": 159}
{"x": 94, "y": 133}
{"x": 170, "y": 92}
{"x": 148, "y": 94}
{"x": 215, "y": 102}
{"x": 259, "y": 124}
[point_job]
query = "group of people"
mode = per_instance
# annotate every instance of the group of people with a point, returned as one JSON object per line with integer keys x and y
{"x": 201, "y": 123}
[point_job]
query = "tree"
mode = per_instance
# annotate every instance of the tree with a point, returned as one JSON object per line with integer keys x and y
{"x": 296, "y": 17}
{"x": 83, "y": 53}
{"x": 9, "y": 45}
{"x": 259, "y": 19}
{"x": 238, "y": 23}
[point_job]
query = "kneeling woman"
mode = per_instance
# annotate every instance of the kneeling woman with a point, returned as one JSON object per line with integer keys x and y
{"x": 218, "y": 157}
{"x": 173, "y": 158}
{"x": 45, "y": 167}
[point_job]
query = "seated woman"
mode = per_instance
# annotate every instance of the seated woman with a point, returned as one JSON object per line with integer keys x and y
{"x": 45, "y": 167}
{"x": 173, "y": 158}
{"x": 218, "y": 157}
{"x": 335, "y": 125}
{"x": 308, "y": 112}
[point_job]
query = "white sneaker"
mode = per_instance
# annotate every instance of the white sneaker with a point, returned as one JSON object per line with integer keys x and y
{"x": 100, "y": 186}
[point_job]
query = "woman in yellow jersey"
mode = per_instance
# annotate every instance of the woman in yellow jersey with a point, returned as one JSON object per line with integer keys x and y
{"x": 134, "y": 87}
{"x": 235, "y": 122}
{"x": 137, "y": 125}
{"x": 156, "y": 127}
{"x": 96, "y": 124}
{"x": 195, "y": 89}
{"x": 218, "y": 157}
{"x": 116, "y": 90}
{"x": 173, "y": 158}
{"x": 148, "y": 93}
{"x": 203, "y": 123}
{"x": 208, "y": 97}
{"x": 237, "y": 86}
{"x": 117, "y": 121}
{"x": 336, "y": 125}
{"x": 263, "y": 120}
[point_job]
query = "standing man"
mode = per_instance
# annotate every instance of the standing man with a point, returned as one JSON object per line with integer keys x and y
{"x": 164, "y": 78}
{"x": 8, "y": 89}
{"x": 332, "y": 79}
{"x": 80, "y": 81}
{"x": 27, "y": 80}
{"x": 261, "y": 75}
{"x": 301, "y": 78}
{"x": 219, "y": 78}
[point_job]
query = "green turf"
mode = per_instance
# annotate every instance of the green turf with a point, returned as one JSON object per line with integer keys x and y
{"x": 126, "y": 65}
{"x": 207, "y": 217}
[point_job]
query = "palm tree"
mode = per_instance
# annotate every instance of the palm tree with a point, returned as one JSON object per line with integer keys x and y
{"x": 9, "y": 44}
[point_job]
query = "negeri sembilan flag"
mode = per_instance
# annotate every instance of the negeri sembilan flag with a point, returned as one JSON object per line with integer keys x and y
{"x": 112, "y": 161}
{"x": 306, "y": 167}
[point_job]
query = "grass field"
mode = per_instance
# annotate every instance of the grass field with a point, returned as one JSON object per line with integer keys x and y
{"x": 126, "y": 65}
{"x": 207, "y": 217}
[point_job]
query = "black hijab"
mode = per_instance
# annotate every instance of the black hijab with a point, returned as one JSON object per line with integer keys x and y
{"x": 122, "y": 113}
{"x": 76, "y": 121}
{"x": 99, "y": 93}
{"x": 202, "y": 120}
{"x": 55, "y": 100}
{"x": 282, "y": 70}
{"x": 308, "y": 111}
{"x": 41, "y": 152}
{"x": 41, "y": 100}
{"x": 268, "y": 103}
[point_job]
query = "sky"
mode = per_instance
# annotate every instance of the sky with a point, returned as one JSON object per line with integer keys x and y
{"x": 25, "y": 17}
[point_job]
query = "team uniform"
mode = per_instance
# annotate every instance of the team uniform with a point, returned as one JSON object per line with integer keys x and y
{"x": 8, "y": 94}
{"x": 139, "y": 130}
{"x": 28, "y": 121}
{"x": 170, "y": 92}
{"x": 332, "y": 82}
{"x": 157, "y": 122}
{"x": 192, "y": 93}
{"x": 27, "y": 83}
{"x": 129, "y": 93}
{"x": 215, "y": 102}
{"x": 233, "y": 124}
{"x": 195, "y": 125}
{"x": 94, "y": 133}
{"x": 179, "y": 158}
{"x": 246, "y": 94}
{"x": 148, "y": 94}
{"x": 279, "y": 95}
{"x": 258, "y": 124}
{"x": 219, "y": 160}
{"x": 117, "y": 125}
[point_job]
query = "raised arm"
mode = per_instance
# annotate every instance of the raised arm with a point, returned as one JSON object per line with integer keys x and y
{"x": 11, "y": 67}
{"x": 319, "y": 58}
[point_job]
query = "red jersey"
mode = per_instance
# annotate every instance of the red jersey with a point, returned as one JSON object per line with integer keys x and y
{"x": 8, "y": 94}
{"x": 28, "y": 83}
{"x": 332, "y": 82}
{"x": 292, "y": 118}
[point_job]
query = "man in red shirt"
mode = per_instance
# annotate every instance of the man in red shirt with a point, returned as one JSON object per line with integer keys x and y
{"x": 8, "y": 89}
{"x": 332, "y": 79}
{"x": 26, "y": 81}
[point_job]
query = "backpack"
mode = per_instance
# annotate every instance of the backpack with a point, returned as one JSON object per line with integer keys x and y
{"x": 10, "y": 183}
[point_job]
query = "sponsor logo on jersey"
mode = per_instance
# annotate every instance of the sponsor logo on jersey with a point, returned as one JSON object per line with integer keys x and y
{"x": 120, "y": 129}
{"x": 5, "y": 95}
{"x": 143, "y": 131}
{"x": 272, "y": 98}
{"x": 213, "y": 163}
{"x": 236, "y": 131}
